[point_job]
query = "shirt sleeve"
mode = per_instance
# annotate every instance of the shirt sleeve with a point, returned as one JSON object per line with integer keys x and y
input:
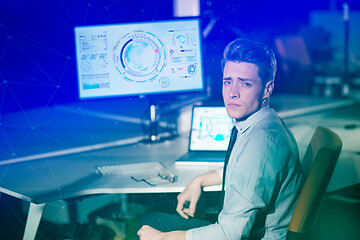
{"x": 219, "y": 171}
{"x": 253, "y": 176}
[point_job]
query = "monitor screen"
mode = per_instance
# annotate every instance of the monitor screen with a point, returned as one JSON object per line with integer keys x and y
{"x": 139, "y": 58}
{"x": 210, "y": 129}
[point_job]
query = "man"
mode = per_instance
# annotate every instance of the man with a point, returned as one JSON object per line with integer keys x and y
{"x": 263, "y": 175}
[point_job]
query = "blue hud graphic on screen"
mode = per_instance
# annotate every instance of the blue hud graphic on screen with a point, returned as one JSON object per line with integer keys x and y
{"x": 210, "y": 129}
{"x": 216, "y": 127}
{"x": 139, "y": 58}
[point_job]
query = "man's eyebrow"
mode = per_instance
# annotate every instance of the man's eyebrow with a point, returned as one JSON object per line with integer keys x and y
{"x": 241, "y": 79}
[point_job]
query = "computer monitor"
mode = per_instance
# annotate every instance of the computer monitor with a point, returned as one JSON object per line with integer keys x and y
{"x": 139, "y": 58}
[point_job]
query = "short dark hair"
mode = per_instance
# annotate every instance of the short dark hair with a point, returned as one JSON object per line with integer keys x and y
{"x": 249, "y": 51}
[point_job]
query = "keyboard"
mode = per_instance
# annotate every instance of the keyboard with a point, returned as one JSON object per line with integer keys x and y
{"x": 130, "y": 169}
{"x": 144, "y": 170}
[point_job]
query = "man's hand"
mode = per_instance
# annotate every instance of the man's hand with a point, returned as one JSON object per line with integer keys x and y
{"x": 190, "y": 195}
{"x": 192, "y": 192}
{"x": 149, "y": 233}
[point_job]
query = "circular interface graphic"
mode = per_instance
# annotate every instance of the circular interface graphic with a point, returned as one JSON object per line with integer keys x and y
{"x": 217, "y": 127}
{"x": 139, "y": 56}
{"x": 164, "y": 82}
{"x": 192, "y": 69}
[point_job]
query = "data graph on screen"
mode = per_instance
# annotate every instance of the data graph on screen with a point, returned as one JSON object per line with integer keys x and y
{"x": 139, "y": 58}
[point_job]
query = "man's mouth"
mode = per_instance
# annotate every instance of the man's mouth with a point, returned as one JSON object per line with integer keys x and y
{"x": 233, "y": 105}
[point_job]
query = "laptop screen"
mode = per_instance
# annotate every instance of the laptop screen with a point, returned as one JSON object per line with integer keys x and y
{"x": 210, "y": 129}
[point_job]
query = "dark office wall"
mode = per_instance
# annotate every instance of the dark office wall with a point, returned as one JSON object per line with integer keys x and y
{"x": 37, "y": 53}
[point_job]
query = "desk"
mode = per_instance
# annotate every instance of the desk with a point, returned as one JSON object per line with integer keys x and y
{"x": 59, "y": 172}
{"x": 72, "y": 176}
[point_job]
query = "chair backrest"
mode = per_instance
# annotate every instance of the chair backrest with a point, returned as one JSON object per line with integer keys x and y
{"x": 324, "y": 150}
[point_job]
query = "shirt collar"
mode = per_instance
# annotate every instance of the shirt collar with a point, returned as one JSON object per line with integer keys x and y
{"x": 252, "y": 119}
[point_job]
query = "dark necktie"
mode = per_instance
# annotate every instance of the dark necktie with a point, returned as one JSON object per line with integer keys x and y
{"x": 227, "y": 156}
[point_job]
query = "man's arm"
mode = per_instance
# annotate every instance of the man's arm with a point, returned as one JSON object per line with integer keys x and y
{"x": 149, "y": 233}
{"x": 191, "y": 193}
{"x": 193, "y": 190}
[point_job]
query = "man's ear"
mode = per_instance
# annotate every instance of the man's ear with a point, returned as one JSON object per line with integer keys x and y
{"x": 269, "y": 87}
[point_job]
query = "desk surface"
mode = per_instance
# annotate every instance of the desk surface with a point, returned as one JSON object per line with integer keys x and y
{"x": 70, "y": 175}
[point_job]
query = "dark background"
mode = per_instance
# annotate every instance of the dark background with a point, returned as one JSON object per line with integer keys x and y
{"x": 37, "y": 53}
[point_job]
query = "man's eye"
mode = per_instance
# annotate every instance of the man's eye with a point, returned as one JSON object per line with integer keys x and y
{"x": 226, "y": 82}
{"x": 246, "y": 84}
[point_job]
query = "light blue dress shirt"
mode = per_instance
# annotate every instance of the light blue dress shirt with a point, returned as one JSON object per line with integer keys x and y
{"x": 263, "y": 182}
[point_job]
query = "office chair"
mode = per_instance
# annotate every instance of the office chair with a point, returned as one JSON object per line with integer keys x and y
{"x": 324, "y": 150}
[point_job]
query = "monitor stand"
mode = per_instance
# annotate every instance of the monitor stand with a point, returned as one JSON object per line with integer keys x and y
{"x": 156, "y": 129}
{"x": 161, "y": 118}
{"x": 157, "y": 117}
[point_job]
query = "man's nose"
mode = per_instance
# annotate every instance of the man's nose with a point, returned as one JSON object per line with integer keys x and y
{"x": 234, "y": 92}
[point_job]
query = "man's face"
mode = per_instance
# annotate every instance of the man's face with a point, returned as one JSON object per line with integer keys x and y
{"x": 242, "y": 91}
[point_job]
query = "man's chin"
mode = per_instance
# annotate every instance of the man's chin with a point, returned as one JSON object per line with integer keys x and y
{"x": 236, "y": 115}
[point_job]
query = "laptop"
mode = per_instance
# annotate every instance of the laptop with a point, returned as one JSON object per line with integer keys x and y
{"x": 209, "y": 136}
